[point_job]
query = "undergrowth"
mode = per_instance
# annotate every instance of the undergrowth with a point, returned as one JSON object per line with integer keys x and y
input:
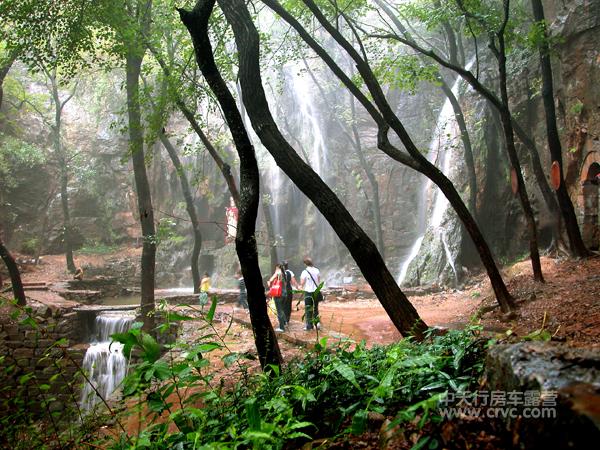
{"x": 202, "y": 395}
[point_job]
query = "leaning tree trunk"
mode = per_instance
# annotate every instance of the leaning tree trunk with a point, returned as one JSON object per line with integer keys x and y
{"x": 196, "y": 22}
{"x": 364, "y": 251}
{"x": 386, "y": 119}
{"x": 190, "y": 207}
{"x": 15, "y": 276}
{"x": 136, "y": 142}
{"x": 576, "y": 244}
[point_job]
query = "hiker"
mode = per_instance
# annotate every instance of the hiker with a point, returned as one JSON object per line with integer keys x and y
{"x": 309, "y": 281}
{"x": 204, "y": 288}
{"x": 78, "y": 275}
{"x": 243, "y": 298}
{"x": 290, "y": 284}
{"x": 277, "y": 290}
{"x": 205, "y": 283}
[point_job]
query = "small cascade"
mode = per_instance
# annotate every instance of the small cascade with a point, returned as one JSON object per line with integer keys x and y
{"x": 104, "y": 362}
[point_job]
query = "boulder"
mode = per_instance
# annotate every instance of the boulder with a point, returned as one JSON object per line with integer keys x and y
{"x": 568, "y": 380}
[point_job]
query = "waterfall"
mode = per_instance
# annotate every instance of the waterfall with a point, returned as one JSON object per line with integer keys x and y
{"x": 441, "y": 152}
{"x": 104, "y": 364}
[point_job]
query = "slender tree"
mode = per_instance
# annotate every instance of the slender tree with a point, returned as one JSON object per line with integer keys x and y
{"x": 13, "y": 271}
{"x": 189, "y": 206}
{"x": 576, "y": 244}
{"x": 63, "y": 163}
{"x": 447, "y": 90}
{"x": 196, "y": 21}
{"x": 140, "y": 14}
{"x": 9, "y": 261}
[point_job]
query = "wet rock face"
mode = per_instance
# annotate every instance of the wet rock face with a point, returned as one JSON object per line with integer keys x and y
{"x": 570, "y": 374}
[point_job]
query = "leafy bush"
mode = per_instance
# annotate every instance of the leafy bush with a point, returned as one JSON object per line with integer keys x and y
{"x": 30, "y": 246}
{"x": 187, "y": 399}
{"x": 327, "y": 392}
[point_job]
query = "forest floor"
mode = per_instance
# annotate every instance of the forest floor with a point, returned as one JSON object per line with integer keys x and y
{"x": 567, "y": 304}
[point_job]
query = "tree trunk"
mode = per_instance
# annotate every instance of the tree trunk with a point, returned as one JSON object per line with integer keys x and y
{"x": 364, "y": 251}
{"x": 190, "y": 207}
{"x": 15, "y": 276}
{"x": 196, "y": 22}
{"x": 144, "y": 200}
{"x": 416, "y": 160}
{"x": 64, "y": 201}
{"x": 576, "y": 244}
{"x": 64, "y": 172}
{"x": 506, "y": 119}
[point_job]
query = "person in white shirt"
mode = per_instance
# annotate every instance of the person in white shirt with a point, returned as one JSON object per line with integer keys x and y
{"x": 310, "y": 278}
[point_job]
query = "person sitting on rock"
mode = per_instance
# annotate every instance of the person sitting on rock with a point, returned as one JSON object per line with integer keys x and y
{"x": 78, "y": 275}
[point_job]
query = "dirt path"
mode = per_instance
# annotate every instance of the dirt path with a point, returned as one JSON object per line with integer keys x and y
{"x": 569, "y": 301}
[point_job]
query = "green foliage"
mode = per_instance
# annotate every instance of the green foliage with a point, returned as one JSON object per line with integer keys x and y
{"x": 97, "y": 248}
{"x": 577, "y": 107}
{"x": 405, "y": 72}
{"x": 33, "y": 400}
{"x": 188, "y": 404}
{"x": 16, "y": 155}
{"x": 30, "y": 246}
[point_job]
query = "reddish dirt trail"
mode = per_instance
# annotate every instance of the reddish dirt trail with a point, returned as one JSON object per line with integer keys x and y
{"x": 570, "y": 301}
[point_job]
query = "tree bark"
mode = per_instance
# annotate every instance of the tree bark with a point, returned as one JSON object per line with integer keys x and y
{"x": 190, "y": 208}
{"x": 196, "y": 22}
{"x": 364, "y": 251}
{"x": 415, "y": 160}
{"x": 15, "y": 276}
{"x": 576, "y": 244}
{"x": 136, "y": 142}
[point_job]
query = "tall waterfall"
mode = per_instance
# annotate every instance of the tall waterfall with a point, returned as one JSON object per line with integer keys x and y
{"x": 104, "y": 364}
{"x": 441, "y": 152}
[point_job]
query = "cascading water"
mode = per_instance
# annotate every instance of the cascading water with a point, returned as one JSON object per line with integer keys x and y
{"x": 104, "y": 362}
{"x": 441, "y": 152}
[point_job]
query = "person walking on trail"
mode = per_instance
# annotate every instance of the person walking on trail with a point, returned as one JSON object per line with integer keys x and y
{"x": 309, "y": 282}
{"x": 277, "y": 290}
{"x": 243, "y": 298}
{"x": 204, "y": 288}
{"x": 290, "y": 284}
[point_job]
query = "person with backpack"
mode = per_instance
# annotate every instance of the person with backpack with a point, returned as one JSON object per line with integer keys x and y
{"x": 277, "y": 290}
{"x": 290, "y": 284}
{"x": 310, "y": 279}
